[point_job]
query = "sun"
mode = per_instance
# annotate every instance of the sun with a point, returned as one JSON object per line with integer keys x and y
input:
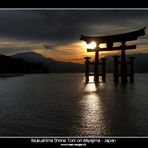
{"x": 91, "y": 45}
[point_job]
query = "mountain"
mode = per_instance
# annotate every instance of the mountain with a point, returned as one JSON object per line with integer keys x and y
{"x": 30, "y": 57}
{"x": 9, "y": 65}
{"x": 52, "y": 65}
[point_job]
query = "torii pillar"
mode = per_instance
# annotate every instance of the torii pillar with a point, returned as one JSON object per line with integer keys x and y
{"x": 123, "y": 64}
{"x": 96, "y": 67}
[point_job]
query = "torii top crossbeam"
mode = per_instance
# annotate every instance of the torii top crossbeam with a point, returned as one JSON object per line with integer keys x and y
{"x": 110, "y": 39}
{"x": 115, "y": 38}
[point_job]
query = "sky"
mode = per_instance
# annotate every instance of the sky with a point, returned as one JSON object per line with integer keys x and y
{"x": 56, "y": 33}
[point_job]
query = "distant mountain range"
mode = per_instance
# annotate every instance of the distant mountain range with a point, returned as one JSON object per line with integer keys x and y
{"x": 31, "y": 62}
{"x": 52, "y": 65}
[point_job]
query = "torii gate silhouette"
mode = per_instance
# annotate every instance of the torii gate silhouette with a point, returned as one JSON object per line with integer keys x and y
{"x": 109, "y": 41}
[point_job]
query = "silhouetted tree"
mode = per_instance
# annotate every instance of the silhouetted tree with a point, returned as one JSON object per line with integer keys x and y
{"x": 10, "y": 65}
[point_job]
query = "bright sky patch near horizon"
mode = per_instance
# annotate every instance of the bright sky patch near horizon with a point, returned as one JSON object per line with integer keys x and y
{"x": 56, "y": 33}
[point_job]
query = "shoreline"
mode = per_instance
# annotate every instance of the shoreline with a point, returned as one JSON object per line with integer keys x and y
{"x": 10, "y": 75}
{"x": 17, "y": 74}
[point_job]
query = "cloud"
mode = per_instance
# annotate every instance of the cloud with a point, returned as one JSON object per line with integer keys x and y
{"x": 48, "y": 46}
{"x": 54, "y": 32}
{"x": 64, "y": 26}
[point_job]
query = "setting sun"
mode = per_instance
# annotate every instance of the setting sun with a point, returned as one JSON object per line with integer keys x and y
{"x": 92, "y": 45}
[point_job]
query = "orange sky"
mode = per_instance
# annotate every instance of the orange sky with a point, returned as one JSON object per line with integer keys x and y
{"x": 71, "y": 52}
{"x": 75, "y": 52}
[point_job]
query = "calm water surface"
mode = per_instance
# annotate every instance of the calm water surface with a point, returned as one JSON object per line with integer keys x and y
{"x": 63, "y": 105}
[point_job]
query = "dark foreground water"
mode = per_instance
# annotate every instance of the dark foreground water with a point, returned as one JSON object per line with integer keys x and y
{"x": 63, "y": 105}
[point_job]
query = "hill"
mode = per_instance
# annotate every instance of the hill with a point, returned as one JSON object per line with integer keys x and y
{"x": 52, "y": 65}
{"x": 9, "y": 65}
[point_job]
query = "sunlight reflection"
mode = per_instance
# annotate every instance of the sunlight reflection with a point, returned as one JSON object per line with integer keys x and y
{"x": 91, "y": 78}
{"x": 101, "y": 86}
{"x": 92, "y": 111}
{"x": 90, "y": 87}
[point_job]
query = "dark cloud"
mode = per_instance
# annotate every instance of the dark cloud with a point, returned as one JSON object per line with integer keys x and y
{"x": 48, "y": 46}
{"x": 66, "y": 26}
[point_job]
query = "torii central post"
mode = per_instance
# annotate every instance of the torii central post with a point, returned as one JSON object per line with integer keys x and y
{"x": 109, "y": 41}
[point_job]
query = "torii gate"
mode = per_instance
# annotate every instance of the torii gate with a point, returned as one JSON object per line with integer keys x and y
{"x": 109, "y": 41}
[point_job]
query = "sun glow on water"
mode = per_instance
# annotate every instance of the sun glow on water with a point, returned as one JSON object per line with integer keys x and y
{"x": 91, "y": 87}
{"x": 92, "y": 113}
{"x": 91, "y": 79}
